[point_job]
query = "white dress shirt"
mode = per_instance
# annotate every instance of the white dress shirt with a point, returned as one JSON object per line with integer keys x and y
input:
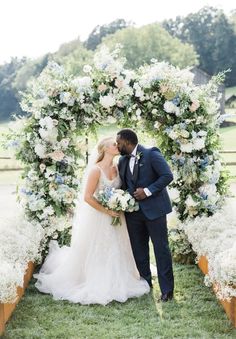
{"x": 132, "y": 159}
{"x": 131, "y": 167}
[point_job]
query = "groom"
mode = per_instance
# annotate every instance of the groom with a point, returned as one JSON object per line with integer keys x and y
{"x": 145, "y": 174}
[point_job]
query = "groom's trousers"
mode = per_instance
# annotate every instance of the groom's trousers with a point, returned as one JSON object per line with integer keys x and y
{"x": 140, "y": 231}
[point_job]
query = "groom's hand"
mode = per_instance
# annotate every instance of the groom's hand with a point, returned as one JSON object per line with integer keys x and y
{"x": 139, "y": 194}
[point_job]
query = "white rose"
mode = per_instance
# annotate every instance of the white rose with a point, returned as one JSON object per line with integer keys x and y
{"x": 42, "y": 167}
{"x": 57, "y": 155}
{"x": 107, "y": 101}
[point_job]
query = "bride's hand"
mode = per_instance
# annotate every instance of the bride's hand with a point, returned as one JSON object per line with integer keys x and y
{"x": 113, "y": 213}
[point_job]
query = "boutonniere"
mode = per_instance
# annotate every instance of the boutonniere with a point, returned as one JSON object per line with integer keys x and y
{"x": 138, "y": 156}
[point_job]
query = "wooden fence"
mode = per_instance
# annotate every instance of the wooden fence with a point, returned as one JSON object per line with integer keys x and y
{"x": 228, "y": 163}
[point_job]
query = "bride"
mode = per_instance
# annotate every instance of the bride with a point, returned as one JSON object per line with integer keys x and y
{"x": 99, "y": 266}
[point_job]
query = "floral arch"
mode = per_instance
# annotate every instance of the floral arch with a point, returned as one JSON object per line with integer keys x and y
{"x": 158, "y": 97}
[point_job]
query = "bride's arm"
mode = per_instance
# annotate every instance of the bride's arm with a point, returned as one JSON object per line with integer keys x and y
{"x": 91, "y": 186}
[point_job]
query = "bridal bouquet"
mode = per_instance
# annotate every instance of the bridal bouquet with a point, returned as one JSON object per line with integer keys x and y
{"x": 117, "y": 200}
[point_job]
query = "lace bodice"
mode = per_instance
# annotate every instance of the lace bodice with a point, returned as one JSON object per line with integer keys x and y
{"x": 105, "y": 182}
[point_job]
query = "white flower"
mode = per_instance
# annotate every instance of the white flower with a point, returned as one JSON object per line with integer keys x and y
{"x": 42, "y": 167}
{"x": 208, "y": 190}
{"x": 49, "y": 173}
{"x": 87, "y": 69}
{"x": 187, "y": 148}
{"x": 66, "y": 98}
{"x": 173, "y": 135}
{"x": 202, "y": 133}
{"x": 40, "y": 150}
{"x": 170, "y": 107}
{"x": 36, "y": 204}
{"x": 174, "y": 194}
{"x": 194, "y": 106}
{"x": 107, "y": 101}
{"x": 56, "y": 155}
{"x": 46, "y": 122}
{"x": 102, "y": 87}
{"x": 199, "y": 143}
{"x": 49, "y": 135}
{"x": 73, "y": 125}
{"x": 184, "y": 133}
{"x": 138, "y": 113}
{"x": 190, "y": 202}
{"x": 138, "y": 90}
{"x": 82, "y": 84}
{"x": 64, "y": 143}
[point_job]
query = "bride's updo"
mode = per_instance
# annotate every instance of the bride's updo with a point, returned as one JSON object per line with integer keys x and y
{"x": 101, "y": 147}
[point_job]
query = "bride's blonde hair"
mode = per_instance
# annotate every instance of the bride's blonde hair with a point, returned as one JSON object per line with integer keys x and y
{"x": 101, "y": 147}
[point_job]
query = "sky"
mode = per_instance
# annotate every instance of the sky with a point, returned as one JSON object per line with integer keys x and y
{"x": 34, "y": 27}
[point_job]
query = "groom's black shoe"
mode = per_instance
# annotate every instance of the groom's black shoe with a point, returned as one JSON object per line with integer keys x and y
{"x": 166, "y": 297}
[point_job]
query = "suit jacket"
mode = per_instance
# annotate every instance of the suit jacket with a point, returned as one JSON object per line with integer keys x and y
{"x": 152, "y": 172}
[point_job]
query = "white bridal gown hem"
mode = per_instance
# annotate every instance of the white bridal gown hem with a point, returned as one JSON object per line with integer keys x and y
{"x": 98, "y": 267}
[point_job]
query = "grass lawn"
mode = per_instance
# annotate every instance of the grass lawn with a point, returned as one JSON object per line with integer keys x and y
{"x": 195, "y": 313}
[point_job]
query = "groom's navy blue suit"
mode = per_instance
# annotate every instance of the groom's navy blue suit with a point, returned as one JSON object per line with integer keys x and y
{"x": 150, "y": 171}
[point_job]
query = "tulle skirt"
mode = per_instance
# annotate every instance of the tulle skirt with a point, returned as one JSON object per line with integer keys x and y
{"x": 97, "y": 268}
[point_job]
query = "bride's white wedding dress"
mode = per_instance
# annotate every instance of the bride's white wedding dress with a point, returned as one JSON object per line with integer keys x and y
{"x": 99, "y": 266}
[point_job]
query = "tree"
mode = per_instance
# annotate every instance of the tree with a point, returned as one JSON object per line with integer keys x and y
{"x": 30, "y": 69}
{"x": 8, "y": 95}
{"x": 73, "y": 56}
{"x": 212, "y": 36}
{"x": 232, "y": 19}
{"x": 142, "y": 44}
{"x": 99, "y": 32}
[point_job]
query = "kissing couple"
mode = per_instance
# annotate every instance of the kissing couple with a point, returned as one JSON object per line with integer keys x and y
{"x": 106, "y": 262}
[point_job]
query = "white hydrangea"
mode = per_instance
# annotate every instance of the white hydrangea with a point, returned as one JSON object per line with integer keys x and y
{"x": 198, "y": 144}
{"x": 40, "y": 150}
{"x": 186, "y": 148}
{"x": 66, "y": 98}
{"x": 170, "y": 107}
{"x": 46, "y": 122}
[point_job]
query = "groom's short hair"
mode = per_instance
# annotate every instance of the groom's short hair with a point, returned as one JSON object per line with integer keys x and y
{"x": 129, "y": 135}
